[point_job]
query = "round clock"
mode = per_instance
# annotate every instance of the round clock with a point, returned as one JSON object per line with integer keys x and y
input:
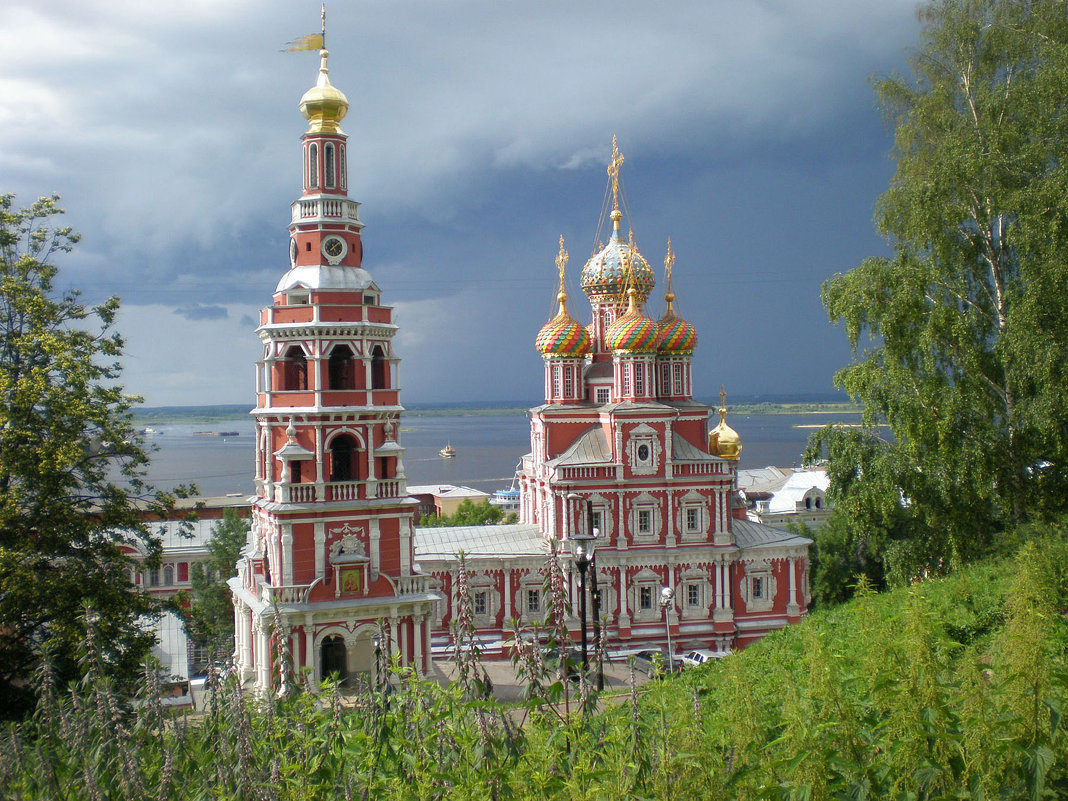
{"x": 292, "y": 252}
{"x": 334, "y": 248}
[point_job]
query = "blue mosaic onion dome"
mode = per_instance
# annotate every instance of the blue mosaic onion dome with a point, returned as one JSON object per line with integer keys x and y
{"x": 616, "y": 268}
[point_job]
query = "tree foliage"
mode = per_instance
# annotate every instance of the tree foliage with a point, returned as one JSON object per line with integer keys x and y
{"x": 469, "y": 513}
{"x": 66, "y": 528}
{"x": 208, "y": 611}
{"x": 959, "y": 336}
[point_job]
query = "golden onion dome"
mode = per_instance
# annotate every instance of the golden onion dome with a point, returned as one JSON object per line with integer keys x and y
{"x": 562, "y": 337}
{"x": 723, "y": 440}
{"x": 676, "y": 337}
{"x": 616, "y": 267}
{"x": 632, "y": 332}
{"x": 324, "y": 106}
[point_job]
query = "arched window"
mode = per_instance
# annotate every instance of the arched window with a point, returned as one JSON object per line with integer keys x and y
{"x": 329, "y": 167}
{"x": 343, "y": 462}
{"x": 313, "y": 166}
{"x": 343, "y": 169}
{"x": 168, "y": 575}
{"x": 379, "y": 369}
{"x": 342, "y": 373}
{"x": 295, "y": 374}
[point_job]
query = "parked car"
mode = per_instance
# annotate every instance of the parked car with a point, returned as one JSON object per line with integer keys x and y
{"x": 701, "y": 655}
{"x": 655, "y": 662}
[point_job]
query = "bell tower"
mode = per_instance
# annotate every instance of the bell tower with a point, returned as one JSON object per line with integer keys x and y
{"x": 327, "y": 583}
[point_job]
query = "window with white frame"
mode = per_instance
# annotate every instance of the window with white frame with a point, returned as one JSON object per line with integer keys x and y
{"x": 645, "y": 521}
{"x": 676, "y": 370}
{"x": 759, "y": 587}
{"x": 639, "y": 378}
{"x": 602, "y": 395}
{"x": 665, "y": 378}
{"x": 626, "y": 379}
{"x": 569, "y": 383}
{"x": 343, "y": 168}
{"x": 313, "y": 166}
{"x": 693, "y": 519}
{"x": 330, "y": 168}
{"x": 645, "y": 598}
{"x": 693, "y": 595}
{"x": 533, "y": 603}
{"x": 168, "y": 575}
{"x": 480, "y": 602}
{"x": 556, "y": 381}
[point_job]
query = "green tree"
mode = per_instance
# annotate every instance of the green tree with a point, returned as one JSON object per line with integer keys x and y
{"x": 208, "y": 611}
{"x": 469, "y": 513}
{"x": 960, "y": 338}
{"x": 67, "y": 530}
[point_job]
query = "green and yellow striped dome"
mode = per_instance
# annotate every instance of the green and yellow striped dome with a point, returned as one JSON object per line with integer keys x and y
{"x": 633, "y": 332}
{"x": 562, "y": 336}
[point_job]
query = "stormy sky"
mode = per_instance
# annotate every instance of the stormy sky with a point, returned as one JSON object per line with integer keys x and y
{"x": 479, "y": 131}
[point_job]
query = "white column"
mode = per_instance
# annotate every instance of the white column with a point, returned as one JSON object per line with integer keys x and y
{"x": 405, "y": 546}
{"x": 287, "y": 553}
{"x": 375, "y": 533}
{"x": 309, "y": 651}
{"x": 793, "y": 607}
{"x": 320, "y": 548}
{"x": 418, "y": 624}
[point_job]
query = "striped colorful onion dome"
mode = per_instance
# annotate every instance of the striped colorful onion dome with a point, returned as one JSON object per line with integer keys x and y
{"x": 563, "y": 337}
{"x": 677, "y": 337}
{"x": 609, "y": 273}
{"x": 633, "y": 332}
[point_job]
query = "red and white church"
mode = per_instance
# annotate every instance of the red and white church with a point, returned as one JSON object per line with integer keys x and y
{"x": 335, "y": 570}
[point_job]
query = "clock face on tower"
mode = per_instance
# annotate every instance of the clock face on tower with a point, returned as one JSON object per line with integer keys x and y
{"x": 334, "y": 249}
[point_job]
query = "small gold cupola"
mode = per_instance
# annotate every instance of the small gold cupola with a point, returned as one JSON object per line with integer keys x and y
{"x": 324, "y": 106}
{"x": 723, "y": 440}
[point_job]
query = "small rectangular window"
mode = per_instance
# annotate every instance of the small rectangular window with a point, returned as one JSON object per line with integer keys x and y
{"x": 597, "y": 527}
{"x": 481, "y": 602}
{"x": 693, "y": 594}
{"x": 639, "y": 379}
{"x": 645, "y": 598}
{"x": 533, "y": 601}
{"x": 626, "y": 379}
{"x": 692, "y": 519}
{"x": 758, "y": 587}
{"x": 602, "y": 395}
{"x": 677, "y": 370}
{"x": 645, "y": 521}
{"x": 368, "y": 300}
{"x": 556, "y": 382}
{"x": 569, "y": 383}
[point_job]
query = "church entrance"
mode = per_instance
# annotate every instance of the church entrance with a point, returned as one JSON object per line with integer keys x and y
{"x": 333, "y": 659}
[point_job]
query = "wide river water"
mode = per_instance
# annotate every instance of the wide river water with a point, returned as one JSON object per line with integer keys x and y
{"x": 488, "y": 448}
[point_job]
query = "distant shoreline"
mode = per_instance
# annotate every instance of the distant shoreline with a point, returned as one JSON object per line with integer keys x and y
{"x": 228, "y": 412}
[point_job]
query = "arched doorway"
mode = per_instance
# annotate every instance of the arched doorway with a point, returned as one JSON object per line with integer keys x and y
{"x": 333, "y": 659}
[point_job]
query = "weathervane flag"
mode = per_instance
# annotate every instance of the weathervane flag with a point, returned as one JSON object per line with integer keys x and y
{"x": 311, "y": 41}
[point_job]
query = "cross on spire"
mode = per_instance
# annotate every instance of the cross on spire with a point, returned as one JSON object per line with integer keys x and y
{"x": 669, "y": 263}
{"x": 561, "y": 263}
{"x": 613, "y": 172}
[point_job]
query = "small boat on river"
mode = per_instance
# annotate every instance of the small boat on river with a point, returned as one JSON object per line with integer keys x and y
{"x": 447, "y": 452}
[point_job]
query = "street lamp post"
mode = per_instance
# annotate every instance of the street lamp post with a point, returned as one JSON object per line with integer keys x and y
{"x": 582, "y": 548}
{"x": 667, "y": 595}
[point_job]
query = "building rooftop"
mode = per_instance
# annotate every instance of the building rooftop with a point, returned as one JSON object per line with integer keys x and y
{"x": 479, "y": 542}
{"x": 446, "y": 491}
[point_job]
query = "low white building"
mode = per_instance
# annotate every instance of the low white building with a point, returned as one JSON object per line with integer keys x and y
{"x": 775, "y": 496}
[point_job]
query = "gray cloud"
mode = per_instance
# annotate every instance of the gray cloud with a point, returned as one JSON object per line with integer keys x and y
{"x": 199, "y": 312}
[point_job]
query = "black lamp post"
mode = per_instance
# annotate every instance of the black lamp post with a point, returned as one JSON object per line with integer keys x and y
{"x": 585, "y": 557}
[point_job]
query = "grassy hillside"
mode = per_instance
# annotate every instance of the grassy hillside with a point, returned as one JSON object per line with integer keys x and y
{"x": 951, "y": 688}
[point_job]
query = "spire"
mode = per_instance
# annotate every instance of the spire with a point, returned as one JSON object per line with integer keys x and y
{"x": 669, "y": 264}
{"x": 561, "y": 265}
{"x": 613, "y": 176}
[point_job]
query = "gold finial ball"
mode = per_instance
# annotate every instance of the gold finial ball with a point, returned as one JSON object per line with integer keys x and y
{"x": 669, "y": 297}
{"x": 562, "y": 297}
{"x": 617, "y": 215}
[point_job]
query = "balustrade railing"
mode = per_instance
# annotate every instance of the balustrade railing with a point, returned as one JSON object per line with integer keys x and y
{"x": 332, "y": 208}
{"x": 343, "y": 490}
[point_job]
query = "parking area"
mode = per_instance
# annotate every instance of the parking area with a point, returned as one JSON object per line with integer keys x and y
{"x": 506, "y": 687}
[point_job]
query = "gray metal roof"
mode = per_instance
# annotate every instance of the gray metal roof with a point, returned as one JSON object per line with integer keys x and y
{"x": 445, "y": 542}
{"x": 683, "y": 449}
{"x": 591, "y": 447}
{"x": 757, "y": 535}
